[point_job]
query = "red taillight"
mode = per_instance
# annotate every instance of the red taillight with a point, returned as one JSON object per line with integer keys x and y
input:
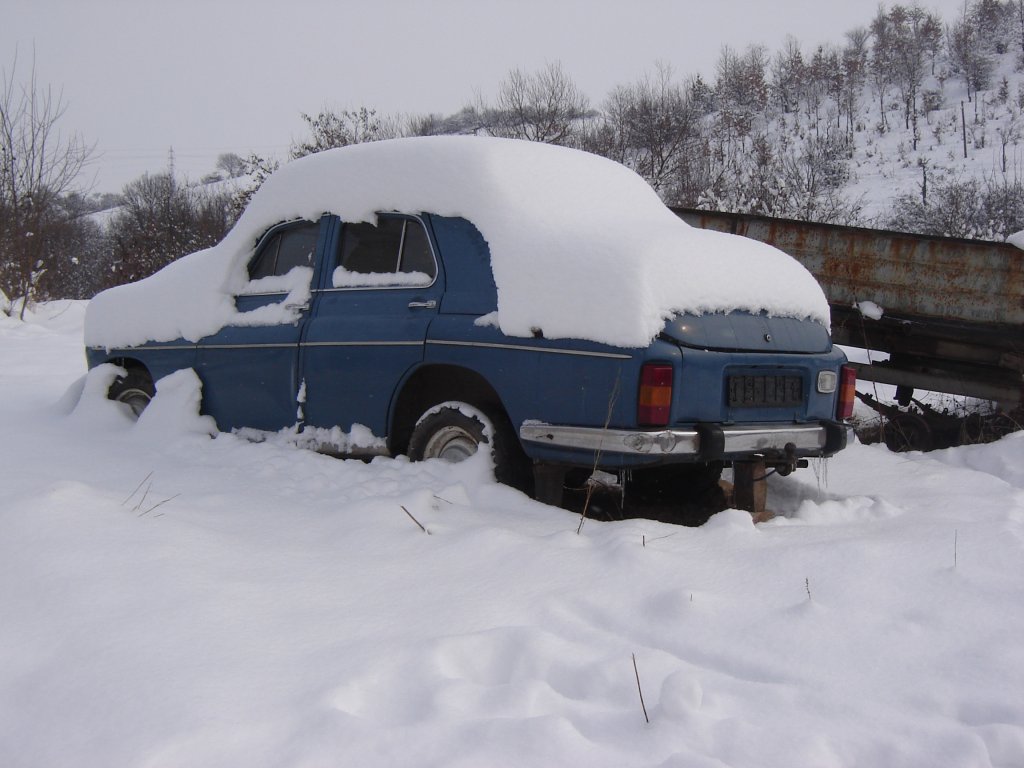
{"x": 847, "y": 390}
{"x": 654, "y": 404}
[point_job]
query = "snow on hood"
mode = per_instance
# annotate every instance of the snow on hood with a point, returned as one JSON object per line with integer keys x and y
{"x": 581, "y": 246}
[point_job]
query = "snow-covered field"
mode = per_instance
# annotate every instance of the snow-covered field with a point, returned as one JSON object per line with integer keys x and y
{"x": 167, "y": 599}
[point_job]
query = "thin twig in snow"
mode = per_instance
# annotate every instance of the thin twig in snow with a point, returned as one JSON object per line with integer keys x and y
{"x": 640, "y": 690}
{"x": 137, "y": 488}
{"x": 597, "y": 454}
{"x": 159, "y": 504}
{"x": 415, "y": 520}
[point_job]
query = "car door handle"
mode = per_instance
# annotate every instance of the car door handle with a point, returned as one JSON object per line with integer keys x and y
{"x": 423, "y": 304}
{"x": 300, "y": 307}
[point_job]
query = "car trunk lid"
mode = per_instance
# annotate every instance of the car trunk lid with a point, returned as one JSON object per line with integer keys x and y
{"x": 742, "y": 331}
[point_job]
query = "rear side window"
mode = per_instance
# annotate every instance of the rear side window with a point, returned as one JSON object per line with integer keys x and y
{"x": 285, "y": 249}
{"x": 393, "y": 253}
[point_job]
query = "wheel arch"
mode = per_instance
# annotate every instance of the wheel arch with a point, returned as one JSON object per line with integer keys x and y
{"x": 433, "y": 384}
{"x": 131, "y": 365}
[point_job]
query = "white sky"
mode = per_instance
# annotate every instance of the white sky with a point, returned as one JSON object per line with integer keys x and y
{"x": 212, "y": 76}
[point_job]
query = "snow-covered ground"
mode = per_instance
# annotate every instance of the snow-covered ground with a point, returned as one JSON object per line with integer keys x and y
{"x": 167, "y": 599}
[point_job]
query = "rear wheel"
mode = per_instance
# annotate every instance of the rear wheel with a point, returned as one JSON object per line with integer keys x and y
{"x": 455, "y": 431}
{"x": 134, "y": 389}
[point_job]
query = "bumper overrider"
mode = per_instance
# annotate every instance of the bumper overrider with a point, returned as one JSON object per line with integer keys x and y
{"x": 703, "y": 442}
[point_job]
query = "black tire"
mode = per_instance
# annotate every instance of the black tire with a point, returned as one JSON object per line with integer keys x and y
{"x": 673, "y": 482}
{"x": 456, "y": 431}
{"x": 135, "y": 389}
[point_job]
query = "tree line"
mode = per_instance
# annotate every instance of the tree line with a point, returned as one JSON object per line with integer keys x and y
{"x": 771, "y": 133}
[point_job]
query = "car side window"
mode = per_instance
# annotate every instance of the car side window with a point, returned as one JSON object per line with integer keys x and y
{"x": 285, "y": 249}
{"x": 393, "y": 253}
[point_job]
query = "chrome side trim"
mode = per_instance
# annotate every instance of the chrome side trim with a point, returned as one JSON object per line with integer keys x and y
{"x": 368, "y": 343}
{"x": 277, "y": 345}
{"x": 526, "y": 348}
{"x": 679, "y": 442}
{"x": 146, "y": 348}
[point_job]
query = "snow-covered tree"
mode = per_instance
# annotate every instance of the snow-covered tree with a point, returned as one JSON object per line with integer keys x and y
{"x": 38, "y": 167}
{"x": 163, "y": 219}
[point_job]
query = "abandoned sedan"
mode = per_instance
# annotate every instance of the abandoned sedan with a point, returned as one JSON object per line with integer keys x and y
{"x": 426, "y": 296}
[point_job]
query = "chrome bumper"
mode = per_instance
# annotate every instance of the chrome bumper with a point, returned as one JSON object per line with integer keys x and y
{"x": 707, "y": 441}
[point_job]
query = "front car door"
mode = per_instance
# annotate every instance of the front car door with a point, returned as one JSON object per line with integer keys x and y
{"x": 250, "y": 372}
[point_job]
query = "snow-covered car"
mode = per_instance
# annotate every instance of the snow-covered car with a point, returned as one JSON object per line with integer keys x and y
{"x": 426, "y": 296}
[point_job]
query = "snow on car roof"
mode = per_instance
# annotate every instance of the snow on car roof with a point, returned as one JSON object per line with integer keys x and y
{"x": 581, "y": 246}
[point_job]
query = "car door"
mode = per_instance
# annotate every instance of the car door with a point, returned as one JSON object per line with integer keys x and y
{"x": 370, "y": 321}
{"x": 249, "y": 368}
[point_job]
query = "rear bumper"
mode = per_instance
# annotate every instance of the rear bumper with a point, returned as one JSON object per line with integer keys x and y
{"x": 703, "y": 442}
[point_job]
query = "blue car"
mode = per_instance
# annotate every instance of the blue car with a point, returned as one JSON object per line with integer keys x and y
{"x": 387, "y": 326}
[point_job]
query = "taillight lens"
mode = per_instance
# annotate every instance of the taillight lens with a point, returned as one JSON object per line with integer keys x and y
{"x": 847, "y": 390}
{"x": 655, "y": 401}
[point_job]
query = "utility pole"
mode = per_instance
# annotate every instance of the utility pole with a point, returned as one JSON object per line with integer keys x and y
{"x": 963, "y": 126}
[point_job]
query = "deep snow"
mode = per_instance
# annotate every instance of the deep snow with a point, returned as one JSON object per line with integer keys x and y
{"x": 169, "y": 599}
{"x": 581, "y": 247}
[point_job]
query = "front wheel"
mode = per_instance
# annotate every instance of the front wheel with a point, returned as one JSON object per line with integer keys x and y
{"x": 455, "y": 431}
{"x": 134, "y": 389}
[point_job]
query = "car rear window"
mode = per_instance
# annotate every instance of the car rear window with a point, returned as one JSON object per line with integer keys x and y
{"x": 395, "y": 251}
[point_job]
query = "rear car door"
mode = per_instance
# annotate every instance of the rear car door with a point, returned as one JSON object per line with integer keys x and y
{"x": 378, "y": 296}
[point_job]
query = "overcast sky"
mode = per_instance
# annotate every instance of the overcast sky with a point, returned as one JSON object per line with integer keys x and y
{"x": 213, "y": 76}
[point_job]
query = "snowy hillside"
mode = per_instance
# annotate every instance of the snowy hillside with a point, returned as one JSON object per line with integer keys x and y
{"x": 915, "y": 123}
{"x": 886, "y": 164}
{"x": 174, "y": 600}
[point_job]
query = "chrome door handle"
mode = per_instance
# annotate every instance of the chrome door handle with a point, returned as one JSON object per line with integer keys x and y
{"x": 423, "y": 304}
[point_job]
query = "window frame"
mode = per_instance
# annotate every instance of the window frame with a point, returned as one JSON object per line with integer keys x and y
{"x": 406, "y": 217}
{"x": 263, "y": 242}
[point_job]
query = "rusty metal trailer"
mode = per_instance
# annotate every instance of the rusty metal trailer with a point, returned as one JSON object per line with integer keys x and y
{"x": 951, "y": 320}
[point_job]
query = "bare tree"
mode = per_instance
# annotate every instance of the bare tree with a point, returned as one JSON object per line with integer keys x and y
{"x": 967, "y": 54}
{"x": 881, "y": 61}
{"x": 1018, "y": 11}
{"x": 651, "y": 127}
{"x": 963, "y": 208}
{"x": 855, "y": 69}
{"x": 466, "y": 121}
{"x": 37, "y": 167}
{"x": 1009, "y": 132}
{"x": 544, "y": 106}
{"x": 787, "y": 75}
{"x": 233, "y": 165}
{"x": 163, "y": 219}
{"x": 741, "y": 89}
{"x": 330, "y": 129}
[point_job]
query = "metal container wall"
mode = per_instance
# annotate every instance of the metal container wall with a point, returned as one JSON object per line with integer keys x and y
{"x": 966, "y": 280}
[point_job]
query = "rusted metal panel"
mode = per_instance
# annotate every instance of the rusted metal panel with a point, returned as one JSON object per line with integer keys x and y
{"x": 968, "y": 280}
